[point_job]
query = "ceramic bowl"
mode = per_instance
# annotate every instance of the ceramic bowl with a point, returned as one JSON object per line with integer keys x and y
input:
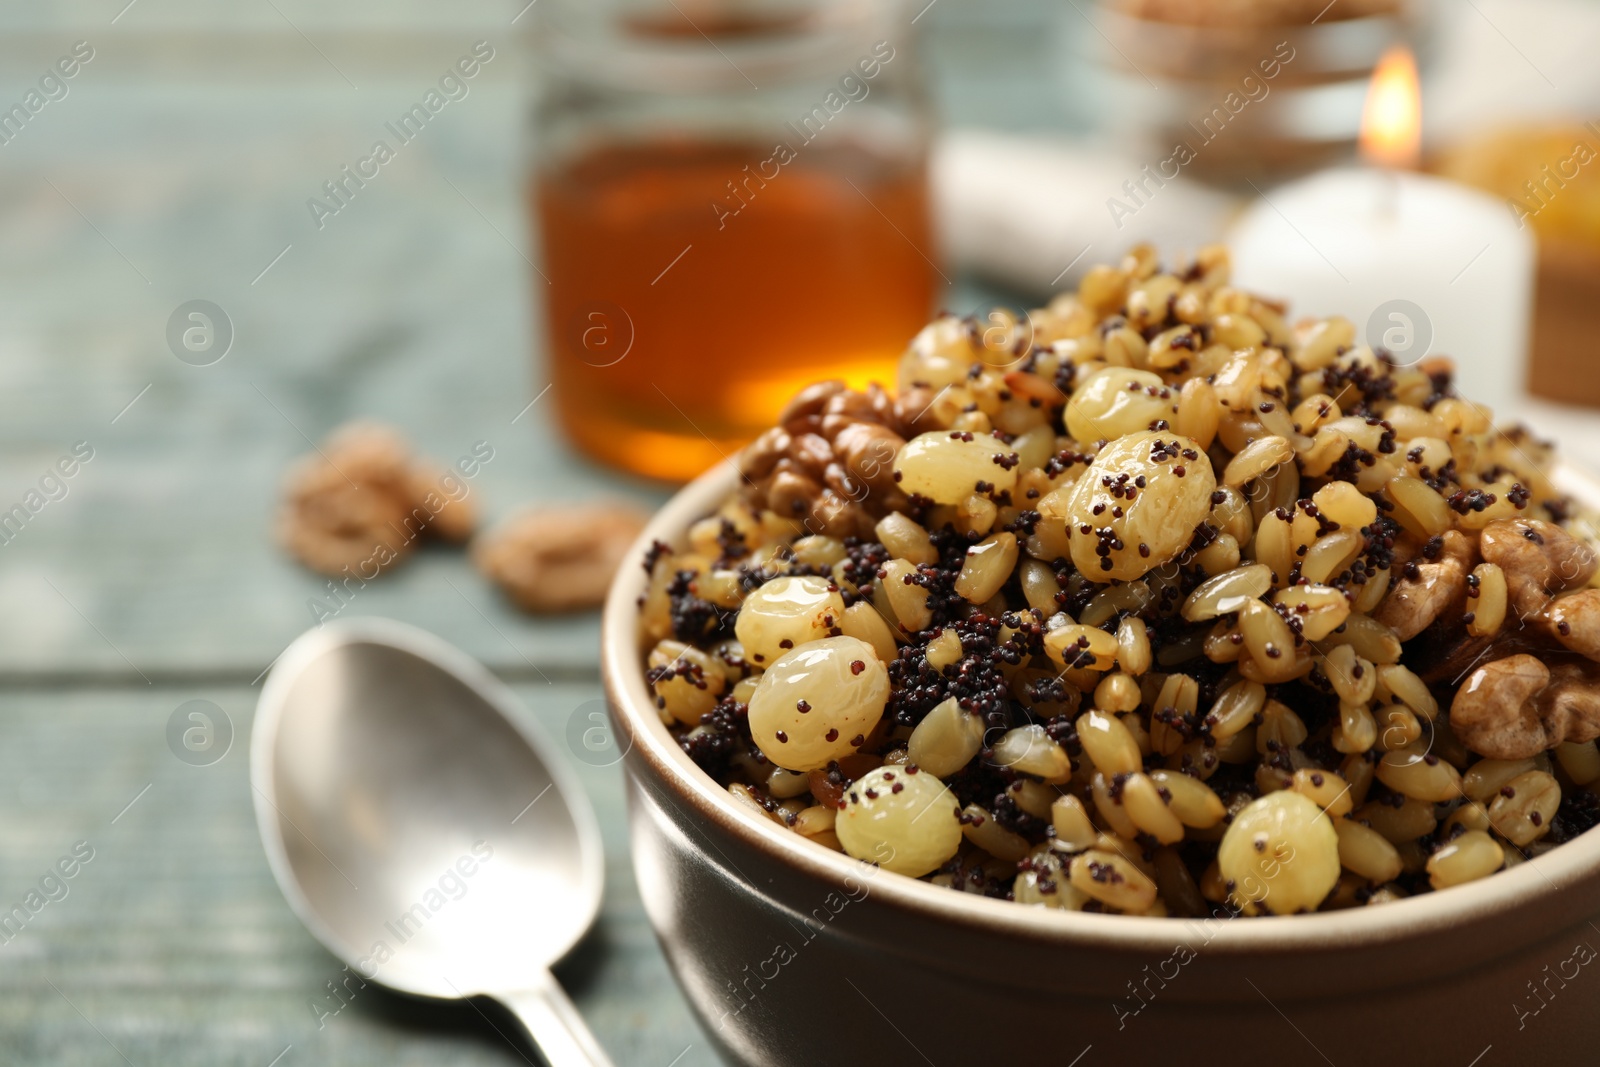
{"x": 795, "y": 955}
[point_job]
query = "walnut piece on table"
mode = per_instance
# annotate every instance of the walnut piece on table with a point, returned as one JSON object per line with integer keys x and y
{"x": 559, "y": 558}
{"x": 363, "y": 501}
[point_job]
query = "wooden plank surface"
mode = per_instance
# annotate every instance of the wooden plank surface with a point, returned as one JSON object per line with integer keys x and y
{"x": 411, "y": 308}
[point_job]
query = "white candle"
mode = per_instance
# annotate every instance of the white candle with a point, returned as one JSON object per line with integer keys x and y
{"x": 1420, "y": 266}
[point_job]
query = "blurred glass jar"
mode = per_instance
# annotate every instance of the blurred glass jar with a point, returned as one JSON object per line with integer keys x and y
{"x": 1236, "y": 90}
{"x": 731, "y": 199}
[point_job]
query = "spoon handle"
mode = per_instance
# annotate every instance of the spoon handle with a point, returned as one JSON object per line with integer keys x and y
{"x": 555, "y": 1025}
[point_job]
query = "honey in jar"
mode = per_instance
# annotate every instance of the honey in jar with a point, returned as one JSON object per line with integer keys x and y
{"x": 698, "y": 271}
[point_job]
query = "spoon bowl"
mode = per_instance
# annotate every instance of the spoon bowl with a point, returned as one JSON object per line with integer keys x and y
{"x": 420, "y": 826}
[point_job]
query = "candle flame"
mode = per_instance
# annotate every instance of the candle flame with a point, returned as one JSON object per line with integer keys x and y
{"x": 1391, "y": 121}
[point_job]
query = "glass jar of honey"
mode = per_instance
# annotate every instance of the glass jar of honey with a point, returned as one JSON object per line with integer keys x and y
{"x": 731, "y": 201}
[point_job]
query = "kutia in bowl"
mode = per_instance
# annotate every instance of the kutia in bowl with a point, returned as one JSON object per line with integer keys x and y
{"x": 1145, "y": 603}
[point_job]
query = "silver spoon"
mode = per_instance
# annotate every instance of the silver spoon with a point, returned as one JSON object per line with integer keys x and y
{"x": 420, "y": 829}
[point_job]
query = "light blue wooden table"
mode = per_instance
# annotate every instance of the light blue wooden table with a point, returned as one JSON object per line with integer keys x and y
{"x": 175, "y": 168}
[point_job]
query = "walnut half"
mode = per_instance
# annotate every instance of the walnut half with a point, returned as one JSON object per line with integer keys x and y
{"x": 1428, "y": 587}
{"x": 363, "y": 501}
{"x": 1574, "y": 620}
{"x": 1539, "y": 559}
{"x": 829, "y": 463}
{"x": 559, "y": 558}
{"x": 1516, "y": 708}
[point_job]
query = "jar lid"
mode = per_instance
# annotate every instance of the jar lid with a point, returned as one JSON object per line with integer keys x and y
{"x": 699, "y": 45}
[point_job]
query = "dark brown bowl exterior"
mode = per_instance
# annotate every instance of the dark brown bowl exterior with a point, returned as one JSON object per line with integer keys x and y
{"x": 796, "y": 955}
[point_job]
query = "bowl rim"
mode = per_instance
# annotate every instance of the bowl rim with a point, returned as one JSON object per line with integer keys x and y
{"x": 1546, "y": 879}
